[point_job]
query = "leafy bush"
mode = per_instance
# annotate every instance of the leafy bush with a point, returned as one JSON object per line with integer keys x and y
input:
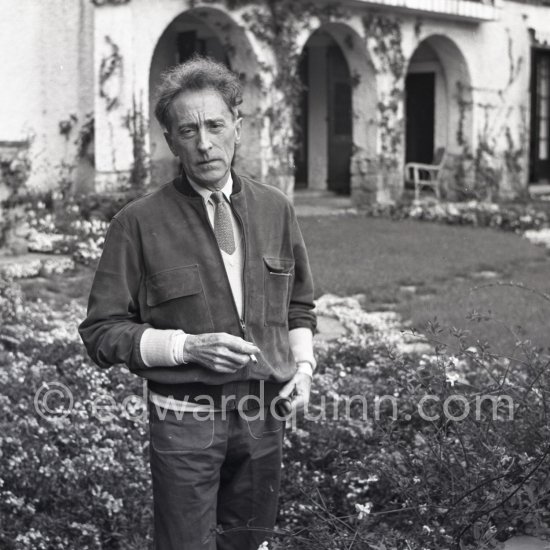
{"x": 61, "y": 223}
{"x": 76, "y": 481}
{"x": 509, "y": 217}
{"x": 392, "y": 479}
{"x": 395, "y": 479}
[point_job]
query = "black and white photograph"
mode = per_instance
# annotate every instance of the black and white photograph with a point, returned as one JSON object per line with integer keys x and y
{"x": 275, "y": 275}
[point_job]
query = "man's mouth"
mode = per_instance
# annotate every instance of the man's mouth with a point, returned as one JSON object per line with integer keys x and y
{"x": 209, "y": 161}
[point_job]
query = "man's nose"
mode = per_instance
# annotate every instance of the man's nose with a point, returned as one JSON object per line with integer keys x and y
{"x": 204, "y": 143}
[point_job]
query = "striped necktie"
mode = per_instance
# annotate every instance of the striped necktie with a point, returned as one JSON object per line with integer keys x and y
{"x": 223, "y": 226}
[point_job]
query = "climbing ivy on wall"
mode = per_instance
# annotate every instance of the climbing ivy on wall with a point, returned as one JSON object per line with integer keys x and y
{"x": 384, "y": 44}
{"x": 110, "y": 65}
{"x": 278, "y": 24}
{"x": 479, "y": 173}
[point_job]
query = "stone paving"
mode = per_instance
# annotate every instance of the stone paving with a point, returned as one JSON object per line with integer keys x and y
{"x": 322, "y": 203}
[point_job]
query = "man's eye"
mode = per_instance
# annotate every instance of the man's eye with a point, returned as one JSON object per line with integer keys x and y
{"x": 217, "y": 126}
{"x": 187, "y": 132}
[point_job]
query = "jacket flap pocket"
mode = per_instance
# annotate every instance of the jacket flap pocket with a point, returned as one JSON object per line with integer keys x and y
{"x": 173, "y": 283}
{"x": 279, "y": 265}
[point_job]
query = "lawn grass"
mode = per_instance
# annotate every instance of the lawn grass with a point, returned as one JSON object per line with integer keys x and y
{"x": 384, "y": 259}
{"x": 422, "y": 270}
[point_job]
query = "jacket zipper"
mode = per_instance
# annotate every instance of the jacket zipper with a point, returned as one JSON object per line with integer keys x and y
{"x": 242, "y": 322}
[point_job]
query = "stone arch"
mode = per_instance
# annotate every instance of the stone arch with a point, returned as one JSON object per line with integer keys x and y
{"x": 453, "y": 121}
{"x": 363, "y": 102}
{"x": 219, "y": 36}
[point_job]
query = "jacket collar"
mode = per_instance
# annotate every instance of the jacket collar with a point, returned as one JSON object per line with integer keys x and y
{"x": 181, "y": 183}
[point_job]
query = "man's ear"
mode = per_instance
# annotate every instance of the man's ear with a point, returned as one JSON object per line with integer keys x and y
{"x": 238, "y": 128}
{"x": 168, "y": 138}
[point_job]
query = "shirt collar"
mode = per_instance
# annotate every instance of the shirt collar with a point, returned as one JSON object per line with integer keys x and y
{"x": 227, "y": 189}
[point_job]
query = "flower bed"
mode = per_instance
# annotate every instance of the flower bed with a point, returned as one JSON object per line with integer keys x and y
{"x": 414, "y": 476}
{"x": 392, "y": 479}
{"x": 61, "y": 223}
{"x": 509, "y": 217}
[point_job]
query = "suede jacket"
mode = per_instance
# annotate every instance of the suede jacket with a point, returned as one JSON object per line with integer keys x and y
{"x": 161, "y": 267}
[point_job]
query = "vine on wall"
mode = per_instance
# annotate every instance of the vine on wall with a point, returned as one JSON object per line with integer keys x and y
{"x": 85, "y": 140}
{"x": 110, "y": 66}
{"x": 66, "y": 126}
{"x": 480, "y": 173}
{"x": 278, "y": 24}
{"x": 383, "y": 40}
{"x": 137, "y": 125}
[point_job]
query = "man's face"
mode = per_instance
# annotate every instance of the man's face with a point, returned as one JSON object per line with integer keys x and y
{"x": 203, "y": 133}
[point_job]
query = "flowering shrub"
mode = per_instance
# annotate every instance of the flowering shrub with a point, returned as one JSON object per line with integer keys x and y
{"x": 58, "y": 223}
{"x": 511, "y": 217}
{"x": 399, "y": 476}
{"x": 76, "y": 481}
{"x": 403, "y": 471}
{"x": 37, "y": 266}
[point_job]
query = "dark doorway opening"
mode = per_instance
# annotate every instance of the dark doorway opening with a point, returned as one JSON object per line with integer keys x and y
{"x": 339, "y": 121}
{"x": 420, "y": 117}
{"x": 539, "y": 166}
{"x": 300, "y": 128}
{"x": 324, "y": 123}
{"x": 190, "y": 43}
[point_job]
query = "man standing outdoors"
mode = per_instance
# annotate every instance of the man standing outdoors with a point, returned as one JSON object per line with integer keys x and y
{"x": 204, "y": 289}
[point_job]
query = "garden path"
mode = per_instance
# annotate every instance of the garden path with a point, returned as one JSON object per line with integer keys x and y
{"x": 321, "y": 203}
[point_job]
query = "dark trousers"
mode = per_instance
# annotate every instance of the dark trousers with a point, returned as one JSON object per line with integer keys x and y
{"x": 215, "y": 479}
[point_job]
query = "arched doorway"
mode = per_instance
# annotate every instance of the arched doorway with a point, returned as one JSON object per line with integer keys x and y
{"x": 185, "y": 36}
{"x": 325, "y": 122}
{"x": 435, "y": 116}
{"x": 214, "y": 33}
{"x": 426, "y": 102}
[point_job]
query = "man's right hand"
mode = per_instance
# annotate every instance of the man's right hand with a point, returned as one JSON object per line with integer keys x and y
{"x": 218, "y": 351}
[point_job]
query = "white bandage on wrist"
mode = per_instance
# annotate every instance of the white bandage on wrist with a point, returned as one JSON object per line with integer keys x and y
{"x": 305, "y": 367}
{"x": 301, "y": 344}
{"x": 162, "y": 348}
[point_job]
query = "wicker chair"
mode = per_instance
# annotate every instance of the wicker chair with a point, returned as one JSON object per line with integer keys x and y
{"x": 426, "y": 175}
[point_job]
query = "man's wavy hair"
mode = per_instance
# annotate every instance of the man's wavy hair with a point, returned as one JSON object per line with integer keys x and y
{"x": 196, "y": 74}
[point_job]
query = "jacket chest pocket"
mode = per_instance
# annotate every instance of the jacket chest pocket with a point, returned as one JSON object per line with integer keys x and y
{"x": 278, "y": 280}
{"x": 176, "y": 299}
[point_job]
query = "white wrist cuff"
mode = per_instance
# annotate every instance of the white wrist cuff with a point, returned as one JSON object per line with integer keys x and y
{"x": 157, "y": 347}
{"x": 305, "y": 367}
{"x": 301, "y": 344}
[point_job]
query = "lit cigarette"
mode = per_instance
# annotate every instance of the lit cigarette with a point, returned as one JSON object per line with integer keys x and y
{"x": 253, "y": 358}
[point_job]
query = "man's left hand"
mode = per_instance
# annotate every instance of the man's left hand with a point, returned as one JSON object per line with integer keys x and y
{"x": 297, "y": 390}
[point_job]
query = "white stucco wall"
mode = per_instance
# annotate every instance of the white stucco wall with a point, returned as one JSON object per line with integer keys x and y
{"x": 532, "y": 16}
{"x": 46, "y": 76}
{"x": 53, "y": 51}
{"x": 136, "y": 28}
